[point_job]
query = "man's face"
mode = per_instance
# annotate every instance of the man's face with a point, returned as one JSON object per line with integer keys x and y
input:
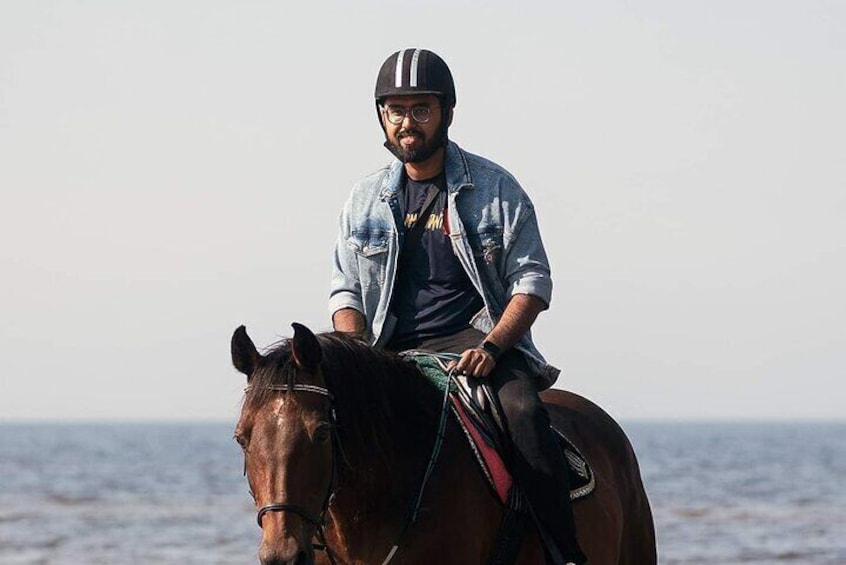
{"x": 413, "y": 141}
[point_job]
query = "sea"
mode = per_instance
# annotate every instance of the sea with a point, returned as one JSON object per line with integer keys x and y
{"x": 168, "y": 494}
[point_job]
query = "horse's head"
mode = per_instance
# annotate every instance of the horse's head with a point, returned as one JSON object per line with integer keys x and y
{"x": 285, "y": 430}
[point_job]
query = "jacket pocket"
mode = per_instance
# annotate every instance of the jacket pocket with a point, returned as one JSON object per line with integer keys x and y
{"x": 368, "y": 244}
{"x": 371, "y": 249}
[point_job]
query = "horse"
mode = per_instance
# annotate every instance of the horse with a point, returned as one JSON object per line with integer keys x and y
{"x": 337, "y": 436}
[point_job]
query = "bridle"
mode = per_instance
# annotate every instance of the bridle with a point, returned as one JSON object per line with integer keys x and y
{"x": 318, "y": 521}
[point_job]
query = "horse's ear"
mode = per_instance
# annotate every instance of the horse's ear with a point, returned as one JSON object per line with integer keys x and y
{"x": 305, "y": 348}
{"x": 245, "y": 357}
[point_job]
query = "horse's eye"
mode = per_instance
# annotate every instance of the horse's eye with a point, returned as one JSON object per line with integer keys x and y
{"x": 323, "y": 432}
{"x": 242, "y": 441}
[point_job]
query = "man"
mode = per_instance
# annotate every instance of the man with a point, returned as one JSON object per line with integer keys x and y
{"x": 440, "y": 250}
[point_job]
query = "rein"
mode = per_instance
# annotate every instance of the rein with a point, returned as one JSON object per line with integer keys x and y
{"x": 433, "y": 458}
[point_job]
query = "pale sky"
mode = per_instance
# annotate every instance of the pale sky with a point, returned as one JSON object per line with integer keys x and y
{"x": 170, "y": 170}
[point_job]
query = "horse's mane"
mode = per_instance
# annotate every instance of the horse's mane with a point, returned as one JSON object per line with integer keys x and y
{"x": 386, "y": 410}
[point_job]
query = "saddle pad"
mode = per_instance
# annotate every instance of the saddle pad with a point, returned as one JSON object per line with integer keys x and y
{"x": 433, "y": 365}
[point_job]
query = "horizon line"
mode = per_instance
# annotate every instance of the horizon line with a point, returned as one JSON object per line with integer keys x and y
{"x": 219, "y": 421}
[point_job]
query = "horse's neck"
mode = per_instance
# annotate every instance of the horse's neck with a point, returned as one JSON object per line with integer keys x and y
{"x": 385, "y": 444}
{"x": 391, "y": 448}
{"x": 372, "y": 505}
{"x": 375, "y": 491}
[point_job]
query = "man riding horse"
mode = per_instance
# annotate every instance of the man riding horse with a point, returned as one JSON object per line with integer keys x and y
{"x": 440, "y": 250}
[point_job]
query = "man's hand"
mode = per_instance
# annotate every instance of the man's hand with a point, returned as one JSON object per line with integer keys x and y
{"x": 520, "y": 313}
{"x": 475, "y": 362}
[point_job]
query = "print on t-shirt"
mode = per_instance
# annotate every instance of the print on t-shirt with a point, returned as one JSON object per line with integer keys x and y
{"x": 433, "y": 295}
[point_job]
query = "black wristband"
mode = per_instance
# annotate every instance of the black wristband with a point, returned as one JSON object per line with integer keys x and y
{"x": 491, "y": 348}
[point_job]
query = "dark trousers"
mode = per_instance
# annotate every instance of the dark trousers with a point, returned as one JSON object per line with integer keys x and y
{"x": 538, "y": 463}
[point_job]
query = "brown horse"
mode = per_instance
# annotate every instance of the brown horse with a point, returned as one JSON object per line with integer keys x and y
{"x": 337, "y": 437}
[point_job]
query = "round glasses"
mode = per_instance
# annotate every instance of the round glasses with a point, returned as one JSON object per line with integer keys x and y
{"x": 420, "y": 113}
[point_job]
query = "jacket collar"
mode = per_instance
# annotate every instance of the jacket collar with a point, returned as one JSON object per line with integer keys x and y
{"x": 456, "y": 173}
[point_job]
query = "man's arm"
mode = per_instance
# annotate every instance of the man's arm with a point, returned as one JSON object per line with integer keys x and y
{"x": 520, "y": 313}
{"x": 345, "y": 303}
{"x": 349, "y": 320}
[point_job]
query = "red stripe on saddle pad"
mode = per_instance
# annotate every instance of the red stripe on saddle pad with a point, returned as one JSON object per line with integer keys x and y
{"x": 500, "y": 475}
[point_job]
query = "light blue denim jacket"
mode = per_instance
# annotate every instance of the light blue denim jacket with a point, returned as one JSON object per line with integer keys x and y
{"x": 494, "y": 233}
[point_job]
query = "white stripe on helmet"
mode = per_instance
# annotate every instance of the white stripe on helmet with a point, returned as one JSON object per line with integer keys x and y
{"x": 412, "y": 75}
{"x": 398, "y": 69}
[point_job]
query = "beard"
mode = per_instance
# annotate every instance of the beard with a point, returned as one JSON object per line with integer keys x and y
{"x": 425, "y": 149}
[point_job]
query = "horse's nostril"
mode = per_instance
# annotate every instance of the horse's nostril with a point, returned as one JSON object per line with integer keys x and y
{"x": 286, "y": 554}
{"x": 278, "y": 556}
{"x": 300, "y": 559}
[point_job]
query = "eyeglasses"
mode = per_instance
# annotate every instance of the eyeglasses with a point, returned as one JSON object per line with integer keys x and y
{"x": 420, "y": 113}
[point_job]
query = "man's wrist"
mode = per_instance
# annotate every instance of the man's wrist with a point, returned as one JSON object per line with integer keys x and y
{"x": 491, "y": 348}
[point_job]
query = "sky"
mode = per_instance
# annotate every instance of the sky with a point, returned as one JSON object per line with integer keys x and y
{"x": 171, "y": 170}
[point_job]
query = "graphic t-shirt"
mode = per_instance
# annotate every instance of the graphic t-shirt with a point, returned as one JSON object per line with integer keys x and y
{"x": 433, "y": 296}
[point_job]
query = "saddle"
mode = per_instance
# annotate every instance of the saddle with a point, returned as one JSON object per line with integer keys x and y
{"x": 477, "y": 411}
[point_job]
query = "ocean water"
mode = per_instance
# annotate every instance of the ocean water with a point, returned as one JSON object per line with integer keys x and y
{"x": 168, "y": 494}
{"x": 746, "y": 493}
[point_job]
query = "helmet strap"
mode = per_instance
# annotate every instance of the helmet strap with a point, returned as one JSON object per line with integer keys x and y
{"x": 445, "y": 110}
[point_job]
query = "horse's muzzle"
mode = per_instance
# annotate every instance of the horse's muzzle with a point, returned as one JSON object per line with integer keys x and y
{"x": 286, "y": 553}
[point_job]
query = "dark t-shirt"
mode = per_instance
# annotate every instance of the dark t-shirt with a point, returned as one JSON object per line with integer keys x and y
{"x": 433, "y": 296}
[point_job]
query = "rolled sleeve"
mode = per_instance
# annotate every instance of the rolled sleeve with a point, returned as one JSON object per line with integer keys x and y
{"x": 340, "y": 299}
{"x": 534, "y": 283}
{"x": 526, "y": 264}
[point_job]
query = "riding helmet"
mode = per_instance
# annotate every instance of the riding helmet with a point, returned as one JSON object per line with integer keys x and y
{"x": 415, "y": 71}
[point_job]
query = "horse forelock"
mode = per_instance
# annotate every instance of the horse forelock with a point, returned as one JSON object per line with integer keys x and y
{"x": 276, "y": 367}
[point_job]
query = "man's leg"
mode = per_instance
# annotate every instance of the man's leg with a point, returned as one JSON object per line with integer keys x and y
{"x": 538, "y": 463}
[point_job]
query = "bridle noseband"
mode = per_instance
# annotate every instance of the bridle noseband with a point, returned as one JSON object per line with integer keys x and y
{"x": 319, "y": 522}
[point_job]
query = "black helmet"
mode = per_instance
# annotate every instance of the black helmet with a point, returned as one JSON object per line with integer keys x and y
{"x": 415, "y": 71}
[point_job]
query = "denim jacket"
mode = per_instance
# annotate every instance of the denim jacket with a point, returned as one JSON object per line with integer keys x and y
{"x": 491, "y": 223}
